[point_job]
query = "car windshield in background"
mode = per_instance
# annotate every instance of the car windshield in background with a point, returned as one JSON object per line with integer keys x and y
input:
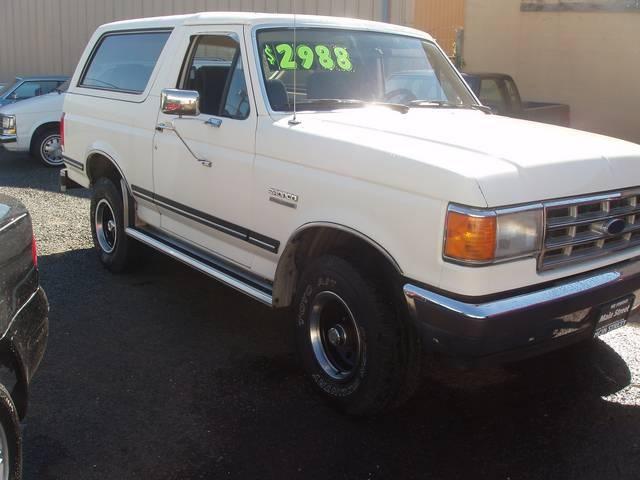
{"x": 356, "y": 67}
{"x": 8, "y": 87}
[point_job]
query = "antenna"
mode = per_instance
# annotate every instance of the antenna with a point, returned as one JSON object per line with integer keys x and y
{"x": 294, "y": 120}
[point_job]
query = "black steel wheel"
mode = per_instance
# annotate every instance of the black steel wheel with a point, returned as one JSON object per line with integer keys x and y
{"x": 107, "y": 226}
{"x": 358, "y": 351}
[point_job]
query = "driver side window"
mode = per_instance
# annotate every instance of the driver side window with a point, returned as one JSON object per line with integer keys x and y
{"x": 216, "y": 72}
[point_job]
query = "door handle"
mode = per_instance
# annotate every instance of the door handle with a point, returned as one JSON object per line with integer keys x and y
{"x": 214, "y": 122}
{"x": 160, "y": 127}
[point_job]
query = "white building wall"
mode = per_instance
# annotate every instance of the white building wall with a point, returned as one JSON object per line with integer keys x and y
{"x": 588, "y": 59}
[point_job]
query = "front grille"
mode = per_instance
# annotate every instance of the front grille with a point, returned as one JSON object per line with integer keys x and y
{"x": 584, "y": 228}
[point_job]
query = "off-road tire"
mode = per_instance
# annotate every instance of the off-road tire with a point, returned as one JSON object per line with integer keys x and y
{"x": 119, "y": 258}
{"x": 388, "y": 370}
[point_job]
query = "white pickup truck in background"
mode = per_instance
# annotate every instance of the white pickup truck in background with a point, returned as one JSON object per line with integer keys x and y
{"x": 393, "y": 221}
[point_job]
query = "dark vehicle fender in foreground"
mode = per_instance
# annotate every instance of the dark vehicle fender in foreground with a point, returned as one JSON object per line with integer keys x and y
{"x": 23, "y": 304}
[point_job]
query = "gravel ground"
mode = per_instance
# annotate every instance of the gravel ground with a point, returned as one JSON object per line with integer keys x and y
{"x": 164, "y": 374}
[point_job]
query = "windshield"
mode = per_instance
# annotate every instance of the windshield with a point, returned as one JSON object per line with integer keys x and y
{"x": 5, "y": 88}
{"x": 361, "y": 66}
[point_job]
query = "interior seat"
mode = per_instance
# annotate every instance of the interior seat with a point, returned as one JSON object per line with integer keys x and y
{"x": 277, "y": 93}
{"x": 210, "y": 82}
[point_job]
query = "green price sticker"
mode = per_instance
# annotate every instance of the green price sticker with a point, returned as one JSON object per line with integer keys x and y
{"x": 308, "y": 57}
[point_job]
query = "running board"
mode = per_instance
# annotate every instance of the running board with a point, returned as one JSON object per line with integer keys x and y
{"x": 230, "y": 276}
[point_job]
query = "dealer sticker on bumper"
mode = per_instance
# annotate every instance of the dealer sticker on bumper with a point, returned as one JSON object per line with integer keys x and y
{"x": 614, "y": 315}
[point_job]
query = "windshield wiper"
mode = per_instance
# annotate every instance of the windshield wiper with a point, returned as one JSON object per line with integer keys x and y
{"x": 332, "y": 103}
{"x": 444, "y": 104}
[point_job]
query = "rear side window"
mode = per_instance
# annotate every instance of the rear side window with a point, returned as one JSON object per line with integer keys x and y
{"x": 491, "y": 95}
{"x": 123, "y": 62}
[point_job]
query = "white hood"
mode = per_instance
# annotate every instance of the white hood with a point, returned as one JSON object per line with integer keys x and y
{"x": 512, "y": 161}
{"x": 51, "y": 102}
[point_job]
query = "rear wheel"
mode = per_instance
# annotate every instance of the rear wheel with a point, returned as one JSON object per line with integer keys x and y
{"x": 10, "y": 439}
{"x": 114, "y": 248}
{"x": 46, "y": 147}
{"x": 359, "y": 352}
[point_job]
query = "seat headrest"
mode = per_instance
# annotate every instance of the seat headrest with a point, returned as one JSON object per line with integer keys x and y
{"x": 277, "y": 93}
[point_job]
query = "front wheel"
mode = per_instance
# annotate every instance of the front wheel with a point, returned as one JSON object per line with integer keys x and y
{"x": 358, "y": 350}
{"x": 46, "y": 148}
{"x": 107, "y": 226}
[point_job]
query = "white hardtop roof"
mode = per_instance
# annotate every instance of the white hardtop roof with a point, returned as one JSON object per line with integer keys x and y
{"x": 259, "y": 19}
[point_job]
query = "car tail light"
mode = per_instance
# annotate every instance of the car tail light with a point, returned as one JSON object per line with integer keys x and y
{"x": 34, "y": 251}
{"x": 62, "y": 131}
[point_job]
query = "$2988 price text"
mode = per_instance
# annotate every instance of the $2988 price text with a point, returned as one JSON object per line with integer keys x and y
{"x": 281, "y": 57}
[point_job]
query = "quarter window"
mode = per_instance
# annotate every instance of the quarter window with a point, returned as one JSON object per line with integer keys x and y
{"x": 216, "y": 72}
{"x": 124, "y": 61}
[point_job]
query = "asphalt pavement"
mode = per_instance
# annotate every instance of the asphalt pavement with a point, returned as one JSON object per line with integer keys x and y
{"x": 165, "y": 374}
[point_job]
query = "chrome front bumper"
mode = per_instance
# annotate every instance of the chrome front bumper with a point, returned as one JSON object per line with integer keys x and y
{"x": 546, "y": 317}
{"x": 8, "y": 138}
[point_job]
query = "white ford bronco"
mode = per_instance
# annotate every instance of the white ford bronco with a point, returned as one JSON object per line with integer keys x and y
{"x": 298, "y": 162}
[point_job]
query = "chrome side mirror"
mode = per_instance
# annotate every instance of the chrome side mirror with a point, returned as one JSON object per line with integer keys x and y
{"x": 180, "y": 102}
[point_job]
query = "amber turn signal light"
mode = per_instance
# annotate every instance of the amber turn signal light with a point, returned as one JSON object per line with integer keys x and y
{"x": 470, "y": 238}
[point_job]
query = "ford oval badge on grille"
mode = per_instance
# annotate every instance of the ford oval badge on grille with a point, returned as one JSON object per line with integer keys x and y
{"x": 615, "y": 226}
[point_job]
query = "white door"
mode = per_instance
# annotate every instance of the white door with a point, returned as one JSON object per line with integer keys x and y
{"x": 207, "y": 203}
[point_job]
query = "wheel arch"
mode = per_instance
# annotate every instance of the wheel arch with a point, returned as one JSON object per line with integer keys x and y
{"x": 99, "y": 164}
{"x": 317, "y": 238}
{"x": 39, "y": 129}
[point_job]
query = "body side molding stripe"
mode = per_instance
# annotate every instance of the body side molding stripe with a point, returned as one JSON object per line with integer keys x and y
{"x": 73, "y": 163}
{"x": 254, "y": 238}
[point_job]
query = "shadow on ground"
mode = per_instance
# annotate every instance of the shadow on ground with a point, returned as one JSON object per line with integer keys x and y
{"x": 164, "y": 374}
{"x": 22, "y": 171}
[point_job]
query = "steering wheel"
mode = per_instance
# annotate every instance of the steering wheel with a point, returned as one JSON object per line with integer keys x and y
{"x": 405, "y": 96}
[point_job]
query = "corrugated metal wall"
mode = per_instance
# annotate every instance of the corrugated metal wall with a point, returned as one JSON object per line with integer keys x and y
{"x": 48, "y": 36}
{"x": 441, "y": 18}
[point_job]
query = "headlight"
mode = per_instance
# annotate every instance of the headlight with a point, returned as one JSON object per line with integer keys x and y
{"x": 8, "y": 124}
{"x": 479, "y": 237}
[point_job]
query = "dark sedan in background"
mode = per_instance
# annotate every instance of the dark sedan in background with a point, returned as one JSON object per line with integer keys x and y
{"x": 23, "y": 327}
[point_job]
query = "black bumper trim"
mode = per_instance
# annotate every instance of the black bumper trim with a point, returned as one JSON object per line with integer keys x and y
{"x": 66, "y": 183}
{"x": 28, "y": 332}
{"x": 521, "y": 324}
{"x": 8, "y": 139}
